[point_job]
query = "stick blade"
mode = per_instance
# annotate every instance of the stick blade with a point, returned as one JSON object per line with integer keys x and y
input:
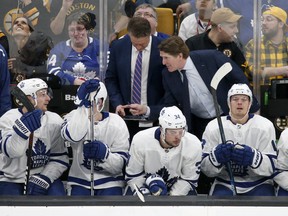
{"x": 221, "y": 72}
{"x": 139, "y": 193}
{"x": 22, "y": 98}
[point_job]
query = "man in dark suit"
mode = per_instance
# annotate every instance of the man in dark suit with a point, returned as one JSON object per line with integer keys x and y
{"x": 190, "y": 89}
{"x": 121, "y": 72}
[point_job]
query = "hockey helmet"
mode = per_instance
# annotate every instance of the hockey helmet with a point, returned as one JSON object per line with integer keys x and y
{"x": 31, "y": 86}
{"x": 239, "y": 89}
{"x": 172, "y": 118}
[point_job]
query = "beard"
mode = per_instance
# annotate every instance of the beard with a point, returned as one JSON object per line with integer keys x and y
{"x": 270, "y": 33}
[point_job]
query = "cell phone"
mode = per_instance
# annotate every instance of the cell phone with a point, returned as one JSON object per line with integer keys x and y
{"x": 127, "y": 112}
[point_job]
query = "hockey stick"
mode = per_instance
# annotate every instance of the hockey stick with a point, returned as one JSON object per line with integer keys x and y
{"x": 92, "y": 138}
{"x": 23, "y": 99}
{"x": 218, "y": 76}
{"x": 139, "y": 193}
{"x": 92, "y": 101}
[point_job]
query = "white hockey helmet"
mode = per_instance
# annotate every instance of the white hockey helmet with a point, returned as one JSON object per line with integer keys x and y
{"x": 239, "y": 89}
{"x": 31, "y": 86}
{"x": 101, "y": 93}
{"x": 172, "y": 118}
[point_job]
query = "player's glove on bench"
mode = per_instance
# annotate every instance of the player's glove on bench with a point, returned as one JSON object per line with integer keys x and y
{"x": 28, "y": 123}
{"x": 96, "y": 150}
{"x": 83, "y": 92}
{"x": 221, "y": 153}
{"x": 156, "y": 185}
{"x": 246, "y": 156}
{"x": 38, "y": 185}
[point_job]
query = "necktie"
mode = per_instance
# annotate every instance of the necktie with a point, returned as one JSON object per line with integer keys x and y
{"x": 136, "y": 90}
{"x": 184, "y": 79}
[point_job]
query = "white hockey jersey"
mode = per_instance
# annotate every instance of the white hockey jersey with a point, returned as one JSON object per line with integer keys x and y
{"x": 112, "y": 131}
{"x": 179, "y": 166}
{"x": 259, "y": 133}
{"x": 49, "y": 154}
{"x": 282, "y": 161}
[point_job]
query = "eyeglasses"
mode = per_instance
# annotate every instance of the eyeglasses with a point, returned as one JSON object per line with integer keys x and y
{"x": 78, "y": 29}
{"x": 145, "y": 15}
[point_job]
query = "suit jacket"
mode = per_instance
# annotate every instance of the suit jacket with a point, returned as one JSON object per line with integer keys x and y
{"x": 207, "y": 63}
{"x": 118, "y": 76}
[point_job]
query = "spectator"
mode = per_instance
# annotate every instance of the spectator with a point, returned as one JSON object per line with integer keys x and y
{"x": 28, "y": 50}
{"x": 60, "y": 10}
{"x": 41, "y": 129}
{"x": 165, "y": 160}
{"x": 274, "y": 44}
{"x": 108, "y": 149}
{"x": 221, "y": 37}
{"x": 120, "y": 75}
{"x": 36, "y": 11}
{"x": 149, "y": 12}
{"x": 129, "y": 7}
{"x": 5, "y": 101}
{"x": 250, "y": 148}
{"x": 75, "y": 60}
{"x": 199, "y": 21}
{"x": 245, "y": 8}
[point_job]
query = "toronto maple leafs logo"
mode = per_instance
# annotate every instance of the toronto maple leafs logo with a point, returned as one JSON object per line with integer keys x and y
{"x": 164, "y": 173}
{"x": 79, "y": 68}
{"x": 40, "y": 155}
{"x": 239, "y": 170}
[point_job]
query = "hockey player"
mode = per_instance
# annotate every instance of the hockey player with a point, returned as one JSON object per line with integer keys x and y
{"x": 250, "y": 148}
{"x": 49, "y": 157}
{"x": 282, "y": 165}
{"x": 108, "y": 149}
{"x": 164, "y": 160}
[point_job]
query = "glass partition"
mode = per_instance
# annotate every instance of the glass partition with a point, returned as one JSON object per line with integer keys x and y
{"x": 105, "y": 20}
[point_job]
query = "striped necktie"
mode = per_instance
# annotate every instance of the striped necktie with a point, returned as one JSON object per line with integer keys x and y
{"x": 136, "y": 91}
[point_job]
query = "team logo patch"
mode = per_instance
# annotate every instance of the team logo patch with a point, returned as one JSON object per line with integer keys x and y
{"x": 227, "y": 52}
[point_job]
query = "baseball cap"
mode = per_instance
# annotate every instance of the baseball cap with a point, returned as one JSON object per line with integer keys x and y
{"x": 277, "y": 12}
{"x": 221, "y": 15}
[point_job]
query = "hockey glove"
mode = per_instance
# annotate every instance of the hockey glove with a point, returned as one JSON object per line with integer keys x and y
{"x": 221, "y": 153}
{"x": 38, "y": 185}
{"x": 96, "y": 150}
{"x": 246, "y": 156}
{"x": 83, "y": 92}
{"x": 156, "y": 185}
{"x": 28, "y": 122}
